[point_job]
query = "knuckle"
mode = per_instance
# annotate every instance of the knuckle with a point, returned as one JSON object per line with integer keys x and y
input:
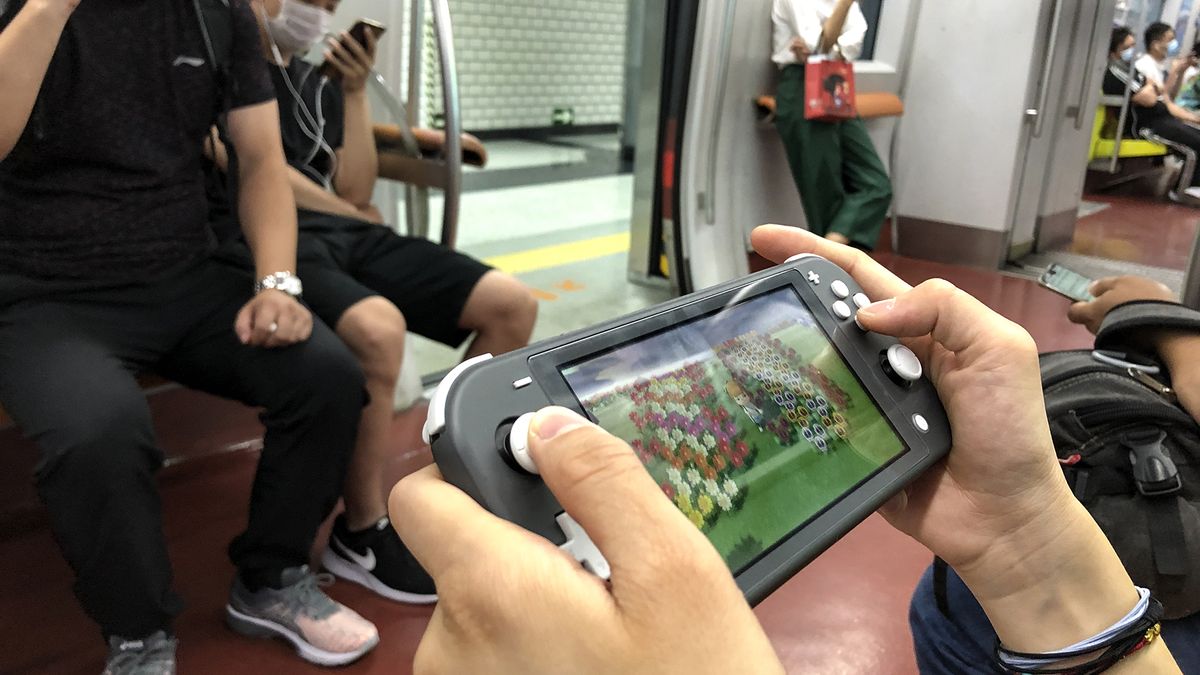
{"x": 940, "y": 288}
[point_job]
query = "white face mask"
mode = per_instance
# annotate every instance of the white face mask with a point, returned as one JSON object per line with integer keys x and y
{"x": 299, "y": 26}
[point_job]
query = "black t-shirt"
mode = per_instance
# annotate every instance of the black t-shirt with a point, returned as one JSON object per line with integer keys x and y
{"x": 299, "y": 126}
{"x": 1115, "y": 78}
{"x": 106, "y": 183}
{"x": 303, "y": 120}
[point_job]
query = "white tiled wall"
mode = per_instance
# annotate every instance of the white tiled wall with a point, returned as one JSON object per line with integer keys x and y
{"x": 520, "y": 59}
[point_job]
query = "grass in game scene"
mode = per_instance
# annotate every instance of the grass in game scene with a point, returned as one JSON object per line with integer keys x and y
{"x": 754, "y": 437}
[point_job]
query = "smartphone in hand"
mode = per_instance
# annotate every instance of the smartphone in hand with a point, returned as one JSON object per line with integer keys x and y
{"x": 1067, "y": 283}
{"x": 358, "y": 33}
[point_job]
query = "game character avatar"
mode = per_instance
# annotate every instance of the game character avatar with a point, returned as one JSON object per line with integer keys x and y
{"x": 741, "y": 398}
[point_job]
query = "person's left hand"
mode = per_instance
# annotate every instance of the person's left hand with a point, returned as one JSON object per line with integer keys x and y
{"x": 800, "y": 49}
{"x": 509, "y": 601}
{"x": 1113, "y": 291}
{"x": 273, "y": 319}
{"x": 352, "y": 60}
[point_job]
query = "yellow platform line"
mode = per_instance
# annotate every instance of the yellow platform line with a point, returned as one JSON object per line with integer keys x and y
{"x": 560, "y": 254}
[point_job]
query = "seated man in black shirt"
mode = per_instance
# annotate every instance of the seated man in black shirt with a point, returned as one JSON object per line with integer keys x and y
{"x": 1151, "y": 112}
{"x": 106, "y": 270}
{"x": 364, "y": 280}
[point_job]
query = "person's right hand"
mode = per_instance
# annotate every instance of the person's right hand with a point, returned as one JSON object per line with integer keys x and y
{"x": 271, "y": 319}
{"x": 1112, "y": 291}
{"x": 800, "y": 49}
{"x": 1002, "y": 471}
{"x": 509, "y": 601}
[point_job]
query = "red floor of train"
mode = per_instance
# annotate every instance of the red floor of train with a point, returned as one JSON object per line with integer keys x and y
{"x": 1137, "y": 230}
{"x": 844, "y": 613}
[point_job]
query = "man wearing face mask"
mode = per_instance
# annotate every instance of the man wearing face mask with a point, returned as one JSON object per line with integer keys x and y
{"x": 1152, "y": 114}
{"x": 1159, "y": 64}
{"x": 368, "y": 283}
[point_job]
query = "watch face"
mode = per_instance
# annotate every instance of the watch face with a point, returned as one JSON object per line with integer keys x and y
{"x": 291, "y": 286}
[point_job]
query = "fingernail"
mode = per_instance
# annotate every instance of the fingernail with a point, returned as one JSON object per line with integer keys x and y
{"x": 878, "y": 308}
{"x": 552, "y": 421}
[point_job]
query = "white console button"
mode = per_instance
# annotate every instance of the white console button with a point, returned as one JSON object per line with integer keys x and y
{"x": 840, "y": 289}
{"x": 841, "y": 310}
{"x": 579, "y": 545}
{"x": 920, "y": 423}
{"x": 904, "y": 363}
{"x": 435, "y": 419}
{"x": 523, "y": 382}
{"x": 518, "y": 443}
{"x": 861, "y": 300}
{"x": 814, "y": 278}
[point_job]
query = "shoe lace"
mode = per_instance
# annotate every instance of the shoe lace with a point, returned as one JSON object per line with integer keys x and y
{"x": 306, "y": 597}
{"x": 155, "y": 657}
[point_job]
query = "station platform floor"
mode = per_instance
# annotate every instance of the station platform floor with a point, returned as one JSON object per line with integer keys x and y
{"x": 845, "y": 613}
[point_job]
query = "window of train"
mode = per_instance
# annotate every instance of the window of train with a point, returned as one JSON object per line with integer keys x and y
{"x": 870, "y": 10}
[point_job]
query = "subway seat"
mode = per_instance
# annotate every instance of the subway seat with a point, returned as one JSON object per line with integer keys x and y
{"x": 871, "y": 105}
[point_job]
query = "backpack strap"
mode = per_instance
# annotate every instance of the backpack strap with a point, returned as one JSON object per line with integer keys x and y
{"x": 1123, "y": 321}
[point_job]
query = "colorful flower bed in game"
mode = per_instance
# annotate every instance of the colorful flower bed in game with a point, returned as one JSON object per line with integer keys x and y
{"x": 688, "y": 440}
{"x": 695, "y": 445}
{"x": 797, "y": 400}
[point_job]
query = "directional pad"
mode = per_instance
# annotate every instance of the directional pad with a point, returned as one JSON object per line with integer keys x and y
{"x": 581, "y": 548}
{"x": 814, "y": 278}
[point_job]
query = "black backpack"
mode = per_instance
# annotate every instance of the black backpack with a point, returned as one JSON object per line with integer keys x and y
{"x": 1130, "y": 453}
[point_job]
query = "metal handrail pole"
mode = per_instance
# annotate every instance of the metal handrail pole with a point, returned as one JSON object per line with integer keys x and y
{"x": 452, "y": 113}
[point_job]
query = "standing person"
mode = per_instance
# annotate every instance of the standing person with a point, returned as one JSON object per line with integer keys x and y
{"x": 361, "y": 278}
{"x": 106, "y": 270}
{"x": 843, "y": 186}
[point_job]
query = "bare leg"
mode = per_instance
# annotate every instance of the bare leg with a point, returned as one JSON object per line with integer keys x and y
{"x": 501, "y": 311}
{"x": 374, "y": 330}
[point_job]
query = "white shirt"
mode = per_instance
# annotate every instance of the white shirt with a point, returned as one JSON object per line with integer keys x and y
{"x": 805, "y": 19}
{"x": 1155, "y": 71}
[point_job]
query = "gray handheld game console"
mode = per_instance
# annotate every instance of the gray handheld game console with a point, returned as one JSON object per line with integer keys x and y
{"x": 770, "y": 418}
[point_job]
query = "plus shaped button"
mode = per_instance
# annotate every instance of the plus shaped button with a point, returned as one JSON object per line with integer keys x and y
{"x": 814, "y": 278}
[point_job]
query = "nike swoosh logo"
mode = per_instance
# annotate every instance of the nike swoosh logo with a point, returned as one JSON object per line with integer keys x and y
{"x": 367, "y": 561}
{"x": 188, "y": 61}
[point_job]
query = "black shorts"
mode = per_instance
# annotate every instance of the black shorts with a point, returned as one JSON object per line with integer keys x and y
{"x": 349, "y": 261}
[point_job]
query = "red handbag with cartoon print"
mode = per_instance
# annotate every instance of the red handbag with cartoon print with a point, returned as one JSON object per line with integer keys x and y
{"x": 829, "y": 89}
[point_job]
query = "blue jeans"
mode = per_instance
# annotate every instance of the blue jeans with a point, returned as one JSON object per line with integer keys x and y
{"x": 963, "y": 642}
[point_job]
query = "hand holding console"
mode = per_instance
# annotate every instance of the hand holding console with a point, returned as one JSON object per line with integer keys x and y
{"x": 770, "y": 419}
{"x": 998, "y": 509}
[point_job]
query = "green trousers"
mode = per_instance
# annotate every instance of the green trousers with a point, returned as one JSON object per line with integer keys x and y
{"x": 843, "y": 185}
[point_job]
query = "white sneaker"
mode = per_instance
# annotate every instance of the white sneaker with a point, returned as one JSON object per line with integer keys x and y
{"x": 323, "y": 632}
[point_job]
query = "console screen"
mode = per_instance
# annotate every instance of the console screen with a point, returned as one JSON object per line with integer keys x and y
{"x": 748, "y": 418}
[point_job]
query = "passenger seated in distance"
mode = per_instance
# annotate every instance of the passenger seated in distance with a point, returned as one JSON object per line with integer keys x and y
{"x": 1159, "y": 64}
{"x": 1151, "y": 111}
{"x": 106, "y": 270}
{"x": 844, "y": 189}
{"x": 960, "y": 639}
{"x": 997, "y": 508}
{"x": 364, "y": 280}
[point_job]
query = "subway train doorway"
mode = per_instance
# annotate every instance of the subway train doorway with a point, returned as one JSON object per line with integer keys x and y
{"x": 555, "y": 93}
